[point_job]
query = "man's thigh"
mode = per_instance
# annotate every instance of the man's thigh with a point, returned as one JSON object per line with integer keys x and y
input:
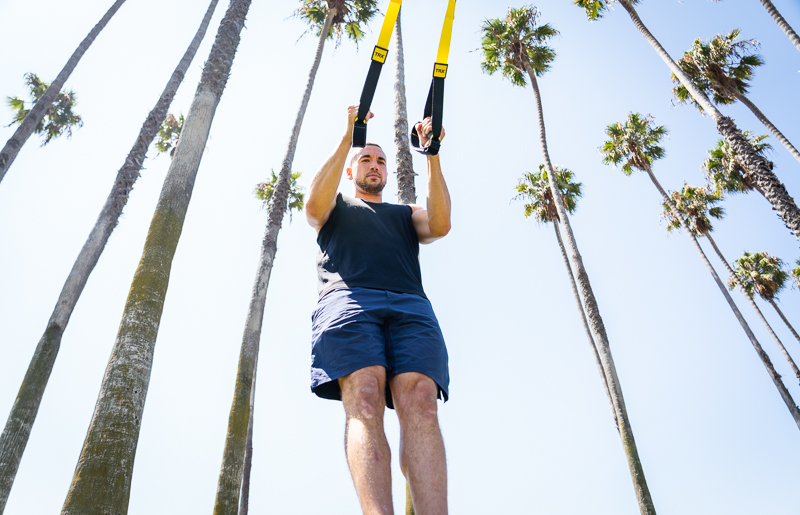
{"x": 414, "y": 341}
{"x": 347, "y": 335}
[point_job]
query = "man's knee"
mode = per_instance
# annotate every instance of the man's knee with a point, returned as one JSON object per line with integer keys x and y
{"x": 363, "y": 393}
{"x": 415, "y": 397}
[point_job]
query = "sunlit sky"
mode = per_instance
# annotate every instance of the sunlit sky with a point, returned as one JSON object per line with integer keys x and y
{"x": 527, "y": 427}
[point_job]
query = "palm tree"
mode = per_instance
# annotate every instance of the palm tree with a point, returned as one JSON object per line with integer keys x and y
{"x": 535, "y": 188}
{"x": 102, "y": 479}
{"x": 58, "y": 119}
{"x": 635, "y": 144}
{"x": 695, "y": 206}
{"x": 331, "y": 19}
{"x": 23, "y": 412}
{"x": 240, "y": 416}
{"x": 763, "y": 274}
{"x": 796, "y": 273}
{"x": 34, "y": 118}
{"x": 406, "y": 192}
{"x": 517, "y": 47}
{"x": 406, "y": 189}
{"x": 724, "y": 169}
{"x": 785, "y": 27}
{"x": 756, "y": 165}
{"x": 722, "y": 69}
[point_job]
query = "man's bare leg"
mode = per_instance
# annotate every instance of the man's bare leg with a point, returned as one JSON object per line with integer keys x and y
{"x": 422, "y": 457}
{"x": 368, "y": 455}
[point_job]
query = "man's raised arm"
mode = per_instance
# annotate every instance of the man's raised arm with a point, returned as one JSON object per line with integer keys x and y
{"x": 434, "y": 222}
{"x": 321, "y": 197}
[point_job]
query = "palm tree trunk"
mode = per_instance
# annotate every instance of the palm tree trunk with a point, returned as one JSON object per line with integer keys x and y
{"x": 231, "y": 473}
{"x": 244, "y": 502}
{"x": 755, "y": 307}
{"x": 406, "y": 192}
{"x": 593, "y": 311}
{"x": 785, "y": 27}
{"x": 102, "y": 480}
{"x": 26, "y": 406}
{"x": 585, "y": 322}
{"x": 768, "y": 124}
{"x": 785, "y": 321}
{"x": 28, "y": 125}
{"x": 757, "y": 166}
{"x": 776, "y": 378}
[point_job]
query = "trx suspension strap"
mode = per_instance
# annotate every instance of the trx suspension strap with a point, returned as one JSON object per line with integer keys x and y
{"x": 434, "y": 107}
{"x": 378, "y": 58}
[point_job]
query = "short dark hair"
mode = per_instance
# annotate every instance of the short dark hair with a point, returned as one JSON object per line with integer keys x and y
{"x": 369, "y": 144}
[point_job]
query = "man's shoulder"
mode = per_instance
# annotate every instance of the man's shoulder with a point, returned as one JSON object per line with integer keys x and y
{"x": 415, "y": 207}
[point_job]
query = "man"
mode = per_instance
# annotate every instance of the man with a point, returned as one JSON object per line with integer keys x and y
{"x": 375, "y": 339}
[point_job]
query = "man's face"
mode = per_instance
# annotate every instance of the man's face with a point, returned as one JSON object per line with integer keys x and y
{"x": 369, "y": 170}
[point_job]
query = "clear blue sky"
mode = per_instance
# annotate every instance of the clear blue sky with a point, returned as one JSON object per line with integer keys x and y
{"x": 528, "y": 428}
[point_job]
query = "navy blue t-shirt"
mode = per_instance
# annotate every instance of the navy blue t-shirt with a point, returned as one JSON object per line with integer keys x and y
{"x": 369, "y": 245}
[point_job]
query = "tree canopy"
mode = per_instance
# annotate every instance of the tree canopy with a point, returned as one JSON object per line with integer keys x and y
{"x": 59, "y": 118}
{"x": 634, "y": 144}
{"x": 721, "y": 68}
{"x": 349, "y": 20}
{"x": 724, "y": 168}
{"x": 759, "y": 273}
{"x": 695, "y": 205}
{"x": 510, "y": 44}
{"x": 534, "y": 189}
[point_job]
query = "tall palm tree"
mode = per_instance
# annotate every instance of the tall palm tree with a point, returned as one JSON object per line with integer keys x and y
{"x": 782, "y": 23}
{"x": 636, "y": 144}
{"x": 535, "y": 188}
{"x": 724, "y": 169}
{"x": 23, "y": 412}
{"x": 29, "y": 124}
{"x": 796, "y": 273}
{"x": 695, "y": 206}
{"x": 330, "y": 19}
{"x": 102, "y": 479}
{"x": 406, "y": 191}
{"x": 517, "y": 46}
{"x": 58, "y": 118}
{"x": 756, "y": 165}
{"x": 763, "y": 274}
{"x": 722, "y": 69}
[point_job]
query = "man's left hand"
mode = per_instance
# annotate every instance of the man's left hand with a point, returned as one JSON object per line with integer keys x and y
{"x": 424, "y": 129}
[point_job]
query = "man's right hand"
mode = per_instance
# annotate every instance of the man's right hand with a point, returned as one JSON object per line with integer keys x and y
{"x": 352, "y": 114}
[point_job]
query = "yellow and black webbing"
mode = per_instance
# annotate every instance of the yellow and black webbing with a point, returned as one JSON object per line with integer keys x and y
{"x": 434, "y": 107}
{"x": 378, "y": 58}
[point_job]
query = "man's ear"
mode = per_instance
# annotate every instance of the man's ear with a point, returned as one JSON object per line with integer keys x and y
{"x": 350, "y": 173}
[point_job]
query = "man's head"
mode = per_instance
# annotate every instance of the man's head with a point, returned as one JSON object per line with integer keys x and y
{"x": 368, "y": 169}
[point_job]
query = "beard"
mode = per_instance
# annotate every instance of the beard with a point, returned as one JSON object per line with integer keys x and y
{"x": 370, "y": 187}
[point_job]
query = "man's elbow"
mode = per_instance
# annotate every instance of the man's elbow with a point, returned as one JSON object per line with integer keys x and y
{"x": 314, "y": 215}
{"x": 440, "y": 230}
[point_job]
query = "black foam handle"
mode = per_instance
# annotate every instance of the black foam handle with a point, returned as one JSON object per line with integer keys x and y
{"x": 434, "y": 108}
{"x": 360, "y": 134}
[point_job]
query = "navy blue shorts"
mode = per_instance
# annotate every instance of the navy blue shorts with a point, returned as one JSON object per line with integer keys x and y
{"x": 360, "y": 327}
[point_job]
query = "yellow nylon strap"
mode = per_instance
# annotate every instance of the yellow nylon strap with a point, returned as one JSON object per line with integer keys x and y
{"x": 447, "y": 33}
{"x": 388, "y": 23}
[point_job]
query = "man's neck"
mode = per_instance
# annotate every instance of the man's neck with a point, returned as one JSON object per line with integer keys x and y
{"x": 377, "y": 198}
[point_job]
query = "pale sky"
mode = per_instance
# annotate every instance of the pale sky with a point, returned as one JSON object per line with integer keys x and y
{"x": 527, "y": 428}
